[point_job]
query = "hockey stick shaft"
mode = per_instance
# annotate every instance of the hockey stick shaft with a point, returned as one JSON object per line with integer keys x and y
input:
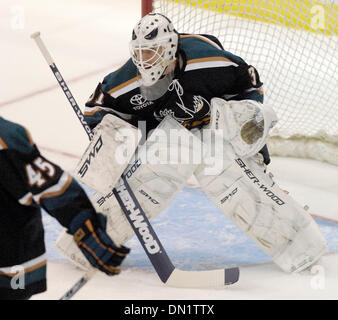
{"x": 78, "y": 285}
{"x": 62, "y": 83}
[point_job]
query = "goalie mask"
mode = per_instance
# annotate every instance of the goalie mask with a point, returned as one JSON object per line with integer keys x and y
{"x": 153, "y": 47}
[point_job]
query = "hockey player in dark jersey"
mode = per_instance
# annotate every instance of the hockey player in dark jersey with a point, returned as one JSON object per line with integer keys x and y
{"x": 29, "y": 181}
{"x": 175, "y": 74}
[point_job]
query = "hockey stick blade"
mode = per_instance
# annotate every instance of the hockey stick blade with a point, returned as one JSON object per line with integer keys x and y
{"x": 151, "y": 244}
{"x": 203, "y": 279}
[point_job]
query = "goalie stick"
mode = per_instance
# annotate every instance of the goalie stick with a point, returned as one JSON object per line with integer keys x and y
{"x": 78, "y": 285}
{"x": 141, "y": 225}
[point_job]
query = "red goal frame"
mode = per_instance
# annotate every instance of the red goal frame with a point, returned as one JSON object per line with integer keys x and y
{"x": 147, "y": 6}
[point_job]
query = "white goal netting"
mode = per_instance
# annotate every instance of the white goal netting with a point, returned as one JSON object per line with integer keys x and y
{"x": 293, "y": 45}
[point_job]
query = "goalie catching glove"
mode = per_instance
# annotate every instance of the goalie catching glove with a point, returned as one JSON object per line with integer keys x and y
{"x": 89, "y": 234}
{"x": 245, "y": 124}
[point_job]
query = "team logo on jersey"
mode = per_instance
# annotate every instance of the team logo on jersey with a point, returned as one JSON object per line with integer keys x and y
{"x": 197, "y": 104}
{"x": 163, "y": 113}
{"x": 139, "y": 102}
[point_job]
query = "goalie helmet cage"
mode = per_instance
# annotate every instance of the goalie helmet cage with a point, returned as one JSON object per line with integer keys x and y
{"x": 293, "y": 45}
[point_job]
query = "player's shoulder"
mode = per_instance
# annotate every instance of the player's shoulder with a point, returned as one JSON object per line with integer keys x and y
{"x": 120, "y": 78}
{"x": 14, "y": 136}
{"x": 203, "y": 48}
{"x": 198, "y": 45}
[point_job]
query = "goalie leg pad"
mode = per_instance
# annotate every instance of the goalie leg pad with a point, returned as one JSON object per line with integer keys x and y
{"x": 108, "y": 154}
{"x": 270, "y": 217}
{"x": 154, "y": 186}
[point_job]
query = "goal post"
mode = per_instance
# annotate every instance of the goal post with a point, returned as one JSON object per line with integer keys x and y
{"x": 147, "y": 7}
{"x": 293, "y": 44}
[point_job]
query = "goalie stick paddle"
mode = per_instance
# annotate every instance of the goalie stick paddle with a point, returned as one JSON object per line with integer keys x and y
{"x": 138, "y": 219}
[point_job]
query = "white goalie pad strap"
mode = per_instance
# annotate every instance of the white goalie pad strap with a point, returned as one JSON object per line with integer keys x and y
{"x": 108, "y": 154}
{"x": 154, "y": 184}
{"x": 270, "y": 217}
{"x": 244, "y": 124}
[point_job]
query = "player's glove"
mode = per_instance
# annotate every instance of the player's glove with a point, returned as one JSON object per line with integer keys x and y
{"x": 89, "y": 234}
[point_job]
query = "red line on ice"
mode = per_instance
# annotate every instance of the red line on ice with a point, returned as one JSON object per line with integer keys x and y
{"x": 323, "y": 218}
{"x": 37, "y": 92}
{"x": 66, "y": 154}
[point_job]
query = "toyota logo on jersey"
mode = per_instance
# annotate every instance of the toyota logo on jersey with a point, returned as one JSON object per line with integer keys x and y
{"x": 139, "y": 102}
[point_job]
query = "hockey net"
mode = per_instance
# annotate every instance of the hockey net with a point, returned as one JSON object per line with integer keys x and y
{"x": 293, "y": 45}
